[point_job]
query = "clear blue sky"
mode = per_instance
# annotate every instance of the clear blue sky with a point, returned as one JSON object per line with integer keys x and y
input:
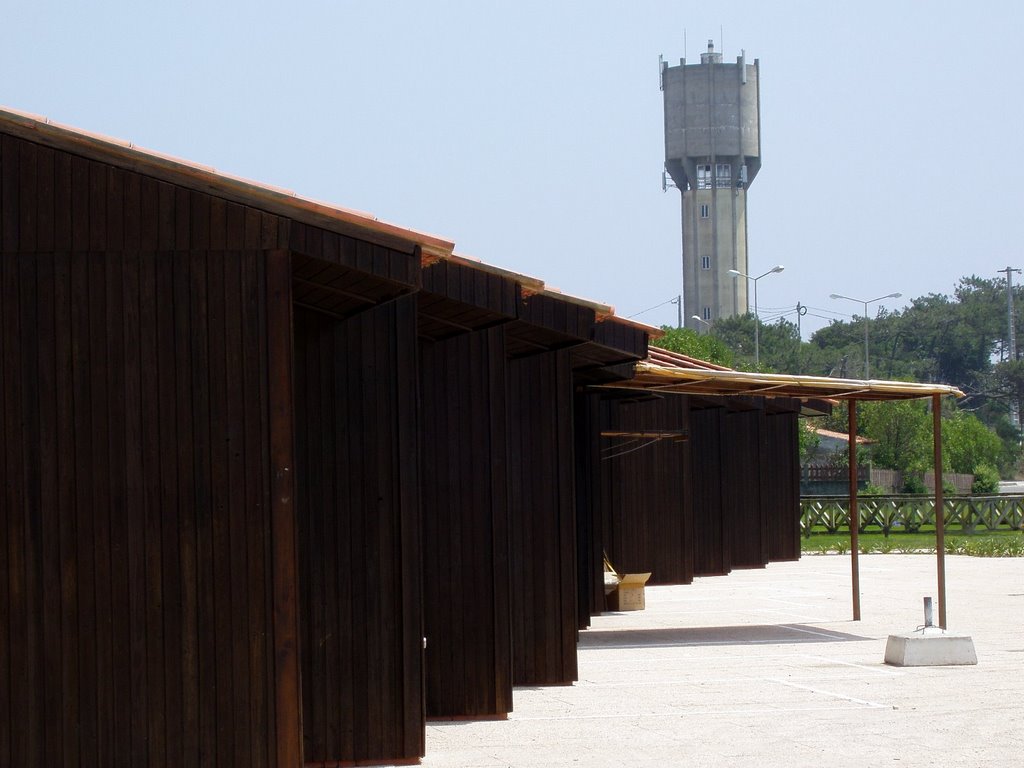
{"x": 530, "y": 133}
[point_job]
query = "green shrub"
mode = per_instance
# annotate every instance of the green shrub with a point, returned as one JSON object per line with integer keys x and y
{"x": 986, "y": 480}
{"x": 914, "y": 484}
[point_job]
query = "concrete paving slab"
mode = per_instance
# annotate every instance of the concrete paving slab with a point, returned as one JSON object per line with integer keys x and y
{"x": 765, "y": 667}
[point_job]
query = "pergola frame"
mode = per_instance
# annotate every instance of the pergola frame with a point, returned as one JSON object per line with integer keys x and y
{"x": 675, "y": 373}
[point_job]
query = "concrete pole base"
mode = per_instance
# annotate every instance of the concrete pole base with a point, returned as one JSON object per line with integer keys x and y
{"x": 930, "y": 647}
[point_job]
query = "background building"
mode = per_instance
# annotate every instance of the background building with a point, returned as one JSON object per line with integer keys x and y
{"x": 713, "y": 153}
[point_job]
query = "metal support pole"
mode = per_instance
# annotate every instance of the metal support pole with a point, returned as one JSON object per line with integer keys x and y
{"x": 757, "y": 323}
{"x": 854, "y": 513}
{"x": 867, "y": 374}
{"x": 940, "y": 511}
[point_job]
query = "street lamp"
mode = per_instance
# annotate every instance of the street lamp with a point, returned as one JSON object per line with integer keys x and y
{"x": 865, "y": 303}
{"x": 757, "y": 321}
{"x": 700, "y": 319}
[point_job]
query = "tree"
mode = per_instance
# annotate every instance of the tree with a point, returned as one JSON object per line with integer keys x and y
{"x": 703, "y": 346}
{"x": 968, "y": 444}
{"x": 779, "y": 343}
{"x": 902, "y": 429}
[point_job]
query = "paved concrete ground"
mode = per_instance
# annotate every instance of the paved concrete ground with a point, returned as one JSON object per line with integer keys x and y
{"x": 765, "y": 668}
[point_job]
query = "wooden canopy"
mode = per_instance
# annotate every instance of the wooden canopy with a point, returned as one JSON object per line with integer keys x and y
{"x": 665, "y": 371}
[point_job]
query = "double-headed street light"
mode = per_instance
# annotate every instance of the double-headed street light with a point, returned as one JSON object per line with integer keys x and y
{"x": 757, "y": 320}
{"x": 865, "y": 303}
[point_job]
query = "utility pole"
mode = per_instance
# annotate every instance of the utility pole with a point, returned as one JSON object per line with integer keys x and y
{"x": 1011, "y": 337}
{"x": 678, "y": 301}
{"x": 801, "y": 310}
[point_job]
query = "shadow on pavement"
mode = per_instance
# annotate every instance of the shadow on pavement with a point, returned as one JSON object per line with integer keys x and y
{"x": 757, "y": 634}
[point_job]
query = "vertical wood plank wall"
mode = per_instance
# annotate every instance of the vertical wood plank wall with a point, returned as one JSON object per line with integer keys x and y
{"x": 712, "y": 548}
{"x": 467, "y": 588}
{"x": 590, "y": 539}
{"x": 137, "y": 581}
{"x": 782, "y": 482}
{"x": 743, "y": 494}
{"x": 360, "y": 537}
{"x": 136, "y": 615}
{"x": 648, "y": 490}
{"x": 542, "y": 520}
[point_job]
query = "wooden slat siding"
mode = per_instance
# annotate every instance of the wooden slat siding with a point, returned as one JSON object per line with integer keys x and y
{"x": 99, "y": 366}
{"x": 558, "y": 315}
{"x": 44, "y": 194}
{"x": 261, "y": 508}
{"x": 234, "y": 225}
{"x": 120, "y": 521}
{"x": 618, "y": 335}
{"x": 474, "y": 287}
{"x": 183, "y": 220}
{"x": 285, "y": 564}
{"x": 220, "y": 508}
{"x": 97, "y": 207}
{"x": 566, "y": 484}
{"x": 542, "y": 517}
{"x": 134, "y": 499}
{"x": 589, "y": 536}
{"x": 7, "y": 512}
{"x": 218, "y": 220}
{"x": 151, "y": 510}
{"x": 706, "y": 470}
{"x": 237, "y": 523}
{"x": 651, "y": 511}
{"x": 741, "y": 482}
{"x": 85, "y": 499}
{"x": 169, "y": 486}
{"x": 406, "y": 456}
{"x": 309, "y": 490}
{"x": 23, "y": 554}
{"x": 348, "y": 462}
{"x": 62, "y": 224}
{"x": 14, "y": 607}
{"x": 132, "y": 219}
{"x": 466, "y": 580}
{"x": 47, "y": 516}
{"x": 205, "y": 687}
{"x": 28, "y": 197}
{"x": 79, "y": 204}
{"x": 501, "y": 548}
{"x": 9, "y": 194}
{"x": 67, "y": 563}
{"x": 181, "y": 217}
{"x": 115, "y": 210}
{"x": 784, "y": 491}
{"x": 368, "y": 402}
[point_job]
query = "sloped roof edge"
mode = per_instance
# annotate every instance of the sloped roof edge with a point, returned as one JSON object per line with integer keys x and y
{"x": 46, "y": 131}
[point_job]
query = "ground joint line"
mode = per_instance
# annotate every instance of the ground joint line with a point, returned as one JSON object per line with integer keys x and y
{"x": 853, "y": 699}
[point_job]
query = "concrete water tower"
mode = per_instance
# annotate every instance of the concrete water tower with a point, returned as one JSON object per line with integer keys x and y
{"x": 713, "y": 153}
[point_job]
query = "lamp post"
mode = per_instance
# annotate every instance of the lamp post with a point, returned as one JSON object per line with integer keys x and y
{"x": 867, "y": 374}
{"x": 757, "y": 320}
{"x": 700, "y": 319}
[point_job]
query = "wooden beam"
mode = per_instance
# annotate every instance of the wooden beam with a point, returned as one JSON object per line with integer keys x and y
{"x": 287, "y": 683}
{"x": 940, "y": 512}
{"x": 854, "y": 515}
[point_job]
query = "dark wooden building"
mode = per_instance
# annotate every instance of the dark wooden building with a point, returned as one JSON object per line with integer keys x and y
{"x": 279, "y": 480}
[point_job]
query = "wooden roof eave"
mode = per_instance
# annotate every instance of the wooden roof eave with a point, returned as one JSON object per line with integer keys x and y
{"x": 203, "y": 178}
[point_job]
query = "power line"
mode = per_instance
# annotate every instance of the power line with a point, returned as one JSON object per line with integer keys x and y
{"x": 651, "y": 309}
